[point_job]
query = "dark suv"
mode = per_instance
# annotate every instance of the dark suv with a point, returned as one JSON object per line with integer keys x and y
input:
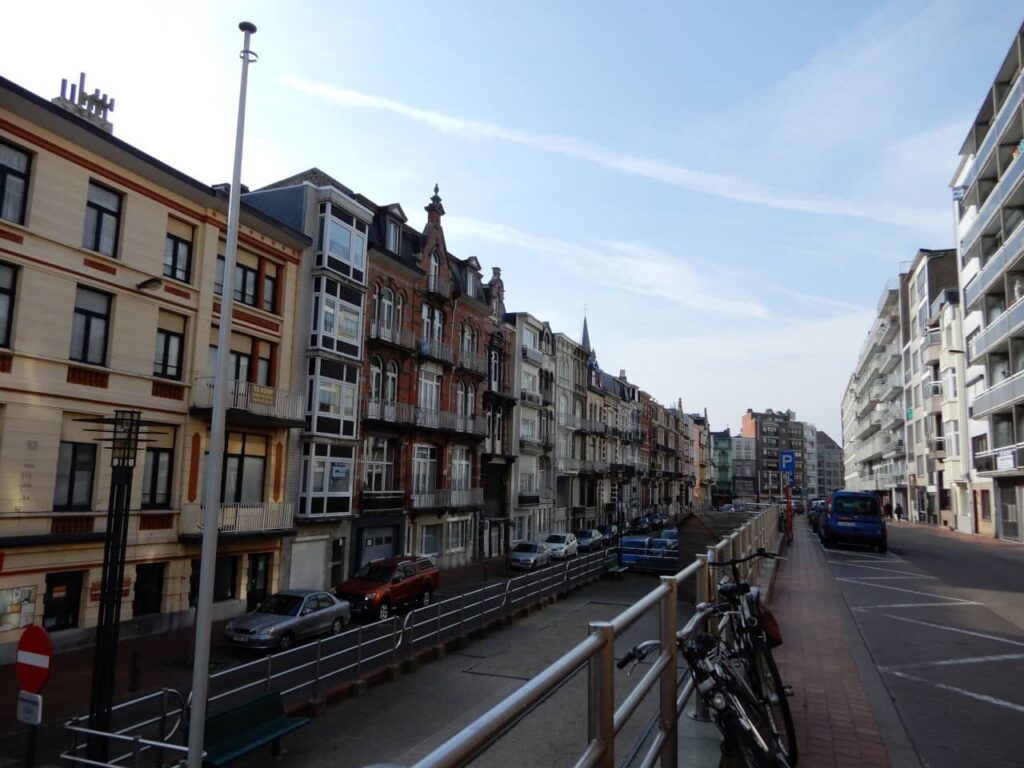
{"x": 381, "y": 586}
{"x": 854, "y": 518}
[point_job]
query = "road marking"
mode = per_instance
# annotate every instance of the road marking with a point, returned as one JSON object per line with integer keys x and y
{"x": 954, "y": 600}
{"x": 863, "y": 608}
{"x": 933, "y": 625}
{"x": 955, "y": 662}
{"x": 962, "y": 691}
{"x": 883, "y": 578}
{"x": 886, "y": 558}
{"x": 870, "y": 567}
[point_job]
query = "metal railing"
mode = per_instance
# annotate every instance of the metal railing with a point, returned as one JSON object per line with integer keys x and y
{"x": 255, "y": 399}
{"x": 154, "y": 722}
{"x": 447, "y": 497}
{"x": 436, "y": 349}
{"x": 241, "y": 518}
{"x": 402, "y": 337}
{"x": 658, "y": 742}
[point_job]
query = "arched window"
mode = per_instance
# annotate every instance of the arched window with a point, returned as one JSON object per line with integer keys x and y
{"x": 435, "y": 266}
{"x": 376, "y": 378}
{"x": 385, "y": 313}
{"x": 391, "y": 382}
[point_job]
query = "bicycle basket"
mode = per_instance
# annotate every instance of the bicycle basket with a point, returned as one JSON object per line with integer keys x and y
{"x": 770, "y": 626}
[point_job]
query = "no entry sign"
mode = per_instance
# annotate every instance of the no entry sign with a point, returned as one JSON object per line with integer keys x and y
{"x": 32, "y": 662}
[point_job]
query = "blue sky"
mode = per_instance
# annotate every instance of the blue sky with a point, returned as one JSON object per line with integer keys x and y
{"x": 725, "y": 187}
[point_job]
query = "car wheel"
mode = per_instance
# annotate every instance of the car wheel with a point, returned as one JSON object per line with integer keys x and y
{"x": 337, "y": 625}
{"x": 426, "y": 597}
{"x": 883, "y": 548}
{"x": 384, "y": 611}
{"x": 287, "y": 642}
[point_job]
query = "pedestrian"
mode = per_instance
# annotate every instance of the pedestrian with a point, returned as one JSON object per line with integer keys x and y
{"x": 899, "y": 511}
{"x": 888, "y": 510}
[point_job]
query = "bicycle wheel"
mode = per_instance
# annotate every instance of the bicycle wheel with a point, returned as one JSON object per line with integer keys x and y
{"x": 766, "y": 678}
{"x": 740, "y": 745}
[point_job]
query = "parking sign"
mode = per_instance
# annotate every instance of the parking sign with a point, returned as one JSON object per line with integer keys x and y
{"x": 787, "y": 464}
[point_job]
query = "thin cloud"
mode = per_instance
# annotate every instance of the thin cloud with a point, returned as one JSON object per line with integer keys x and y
{"x": 628, "y": 266}
{"x": 718, "y": 185}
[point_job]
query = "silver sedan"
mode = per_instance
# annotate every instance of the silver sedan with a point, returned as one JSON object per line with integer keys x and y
{"x": 288, "y": 617}
{"x": 529, "y": 555}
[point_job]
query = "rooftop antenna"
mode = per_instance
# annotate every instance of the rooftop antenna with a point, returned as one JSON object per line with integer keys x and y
{"x": 94, "y": 108}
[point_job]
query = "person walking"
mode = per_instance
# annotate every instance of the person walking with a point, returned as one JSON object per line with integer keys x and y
{"x": 899, "y": 511}
{"x": 888, "y": 510}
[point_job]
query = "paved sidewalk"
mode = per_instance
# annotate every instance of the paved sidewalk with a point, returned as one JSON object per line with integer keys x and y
{"x": 835, "y": 724}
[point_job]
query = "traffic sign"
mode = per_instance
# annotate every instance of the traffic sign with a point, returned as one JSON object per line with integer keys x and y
{"x": 787, "y": 463}
{"x": 30, "y": 708}
{"x": 32, "y": 660}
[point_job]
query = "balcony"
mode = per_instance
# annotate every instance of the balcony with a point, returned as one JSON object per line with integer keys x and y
{"x": 999, "y": 396}
{"x": 995, "y": 333}
{"x": 1010, "y": 457}
{"x": 931, "y": 346}
{"x": 569, "y": 421}
{"x": 533, "y": 355}
{"x": 427, "y": 418}
{"x": 251, "y": 404}
{"x": 990, "y": 208}
{"x": 447, "y": 498}
{"x": 375, "y": 501}
{"x": 472, "y": 362}
{"x": 435, "y": 350}
{"x": 563, "y": 464}
{"x": 391, "y": 413}
{"x": 993, "y": 269}
{"x": 937, "y": 447}
{"x": 1008, "y": 109}
{"x": 398, "y": 337}
{"x": 438, "y": 286}
{"x": 528, "y": 397}
{"x": 253, "y": 519}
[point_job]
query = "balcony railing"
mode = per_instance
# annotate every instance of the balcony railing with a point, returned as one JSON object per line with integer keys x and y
{"x": 402, "y": 337}
{"x": 563, "y": 464}
{"x": 533, "y": 355}
{"x": 442, "y": 286}
{"x": 1007, "y": 110}
{"x": 569, "y": 421}
{"x": 470, "y": 361}
{"x": 447, "y": 497}
{"x": 254, "y": 400}
{"x": 530, "y": 397}
{"x": 255, "y": 517}
{"x": 999, "y": 396}
{"x": 994, "y": 268}
{"x": 997, "y": 331}
{"x": 395, "y": 413}
{"x": 435, "y": 350}
{"x": 991, "y": 206}
{"x": 374, "y": 500}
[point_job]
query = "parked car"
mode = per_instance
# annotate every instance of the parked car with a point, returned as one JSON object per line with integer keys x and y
{"x": 814, "y": 513}
{"x": 589, "y": 540}
{"x": 855, "y": 518}
{"x": 648, "y": 553}
{"x": 798, "y": 506}
{"x": 639, "y": 525}
{"x": 609, "y": 532}
{"x": 562, "y": 545}
{"x": 288, "y": 617}
{"x": 670, "y": 534}
{"x": 530, "y": 555}
{"x": 381, "y": 586}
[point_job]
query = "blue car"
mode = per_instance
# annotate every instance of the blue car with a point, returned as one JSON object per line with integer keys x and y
{"x": 853, "y": 518}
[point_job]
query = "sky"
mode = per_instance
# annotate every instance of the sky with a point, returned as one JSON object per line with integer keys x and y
{"x": 723, "y": 188}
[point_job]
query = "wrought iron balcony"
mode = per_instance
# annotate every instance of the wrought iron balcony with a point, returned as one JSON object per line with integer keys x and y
{"x": 252, "y": 404}
{"x": 437, "y": 285}
{"x": 447, "y": 497}
{"x": 399, "y": 337}
{"x": 241, "y": 519}
{"x": 435, "y": 350}
{"x": 533, "y": 355}
{"x": 472, "y": 362}
{"x": 529, "y": 397}
{"x": 390, "y": 412}
{"x": 381, "y": 500}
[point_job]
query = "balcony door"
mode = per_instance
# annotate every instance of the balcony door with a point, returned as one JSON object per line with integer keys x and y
{"x": 245, "y": 462}
{"x": 258, "y": 581}
{"x": 424, "y": 469}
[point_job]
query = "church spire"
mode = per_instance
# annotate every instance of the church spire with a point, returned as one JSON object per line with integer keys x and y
{"x": 586, "y": 336}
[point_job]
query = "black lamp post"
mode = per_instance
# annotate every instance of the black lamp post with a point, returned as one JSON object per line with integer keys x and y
{"x": 123, "y": 432}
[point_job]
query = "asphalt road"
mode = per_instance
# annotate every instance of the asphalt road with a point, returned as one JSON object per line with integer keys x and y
{"x": 942, "y": 616}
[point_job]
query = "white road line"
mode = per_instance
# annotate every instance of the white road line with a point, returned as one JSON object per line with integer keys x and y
{"x": 956, "y": 662}
{"x": 933, "y": 625}
{"x": 962, "y": 692}
{"x": 871, "y": 567}
{"x": 886, "y": 558}
{"x": 863, "y": 608}
{"x": 884, "y": 578}
{"x": 901, "y": 589}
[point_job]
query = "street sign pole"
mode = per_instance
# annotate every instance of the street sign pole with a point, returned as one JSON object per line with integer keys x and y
{"x": 32, "y": 668}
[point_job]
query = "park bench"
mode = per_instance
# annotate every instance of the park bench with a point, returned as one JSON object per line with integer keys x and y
{"x": 247, "y": 727}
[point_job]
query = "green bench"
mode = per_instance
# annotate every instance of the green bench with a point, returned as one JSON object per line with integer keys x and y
{"x": 238, "y": 731}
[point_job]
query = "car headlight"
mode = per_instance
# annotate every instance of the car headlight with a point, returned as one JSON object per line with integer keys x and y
{"x": 266, "y": 633}
{"x": 371, "y": 596}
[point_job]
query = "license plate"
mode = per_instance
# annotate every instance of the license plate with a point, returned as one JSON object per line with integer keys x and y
{"x": 241, "y": 639}
{"x": 845, "y": 523}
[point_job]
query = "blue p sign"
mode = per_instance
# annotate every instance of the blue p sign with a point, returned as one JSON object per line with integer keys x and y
{"x": 787, "y": 462}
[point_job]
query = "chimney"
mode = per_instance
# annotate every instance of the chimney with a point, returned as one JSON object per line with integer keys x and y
{"x": 622, "y": 373}
{"x": 495, "y": 273}
{"x": 93, "y": 108}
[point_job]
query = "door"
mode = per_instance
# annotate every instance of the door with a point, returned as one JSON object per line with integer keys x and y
{"x": 259, "y": 578}
{"x": 62, "y": 600}
{"x": 405, "y": 590}
{"x": 376, "y": 543}
{"x": 149, "y": 588}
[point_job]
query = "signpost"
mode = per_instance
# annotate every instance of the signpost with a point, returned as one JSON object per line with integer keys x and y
{"x": 32, "y": 667}
{"x": 787, "y": 465}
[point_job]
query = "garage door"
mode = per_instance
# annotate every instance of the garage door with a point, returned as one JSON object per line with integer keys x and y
{"x": 375, "y": 543}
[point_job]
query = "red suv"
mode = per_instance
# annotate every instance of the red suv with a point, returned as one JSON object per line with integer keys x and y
{"x": 381, "y": 586}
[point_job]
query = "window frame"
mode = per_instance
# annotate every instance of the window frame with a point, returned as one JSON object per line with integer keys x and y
{"x": 439, "y": 547}
{"x": 151, "y": 478}
{"x": 424, "y": 467}
{"x": 160, "y": 366}
{"x": 69, "y": 495}
{"x": 7, "y": 171}
{"x": 7, "y": 326}
{"x": 243, "y": 274}
{"x": 89, "y": 316}
{"x": 393, "y": 237}
{"x": 101, "y": 213}
{"x": 171, "y": 270}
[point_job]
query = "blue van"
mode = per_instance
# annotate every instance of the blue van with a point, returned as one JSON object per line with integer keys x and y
{"x": 853, "y": 518}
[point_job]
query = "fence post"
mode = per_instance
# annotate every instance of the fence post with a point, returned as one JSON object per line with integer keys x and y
{"x": 601, "y": 694}
{"x": 136, "y": 753}
{"x": 706, "y": 591}
{"x": 270, "y": 672}
{"x": 462, "y": 613}
{"x": 163, "y": 727}
{"x": 359, "y": 652}
{"x": 316, "y": 670}
{"x": 670, "y": 749}
{"x": 437, "y": 624}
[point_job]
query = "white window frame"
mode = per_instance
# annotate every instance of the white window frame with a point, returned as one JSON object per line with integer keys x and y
{"x": 393, "y": 236}
{"x": 310, "y": 465}
{"x": 461, "y": 469}
{"x": 428, "y": 393}
{"x": 424, "y": 468}
{"x": 436, "y": 550}
{"x": 357, "y": 244}
{"x": 458, "y": 534}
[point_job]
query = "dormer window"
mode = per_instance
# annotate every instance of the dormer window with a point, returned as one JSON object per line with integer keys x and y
{"x": 392, "y": 237}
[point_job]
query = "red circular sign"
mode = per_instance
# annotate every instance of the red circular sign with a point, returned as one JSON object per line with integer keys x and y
{"x": 32, "y": 660}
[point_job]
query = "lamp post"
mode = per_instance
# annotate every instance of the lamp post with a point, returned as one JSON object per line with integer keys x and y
{"x": 963, "y": 434}
{"x": 124, "y": 433}
{"x": 211, "y": 497}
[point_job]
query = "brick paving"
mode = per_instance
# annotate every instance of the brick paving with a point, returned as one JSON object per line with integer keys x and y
{"x": 835, "y": 726}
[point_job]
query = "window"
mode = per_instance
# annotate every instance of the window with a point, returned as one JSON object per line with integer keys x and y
{"x": 424, "y": 468}
{"x": 167, "y": 361}
{"x": 156, "y": 478}
{"x": 331, "y": 477}
{"x": 430, "y": 390}
{"x": 465, "y": 399}
{"x": 75, "y": 465}
{"x": 468, "y": 340}
{"x": 345, "y": 243}
{"x": 495, "y": 366}
{"x": 530, "y": 382}
{"x": 527, "y": 482}
{"x": 245, "y": 461}
{"x": 270, "y": 293}
{"x": 530, "y": 338}
{"x": 986, "y": 506}
{"x": 951, "y": 429}
{"x": 458, "y": 535}
{"x": 102, "y": 220}
{"x": 6, "y": 300}
{"x": 392, "y": 238}
{"x": 378, "y": 465}
{"x": 327, "y": 477}
{"x": 336, "y": 398}
{"x": 433, "y": 323}
{"x": 460, "y": 469}
{"x": 949, "y": 383}
{"x": 430, "y": 539}
{"x": 245, "y": 282}
{"x": 14, "y": 168}
{"x": 178, "y": 250}
{"x": 529, "y": 428}
{"x": 89, "y": 327}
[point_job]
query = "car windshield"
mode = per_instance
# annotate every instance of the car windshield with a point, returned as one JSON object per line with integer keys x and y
{"x": 556, "y": 538}
{"x": 524, "y": 547}
{"x": 856, "y": 505}
{"x": 583, "y": 534}
{"x": 374, "y": 572}
{"x": 281, "y": 605}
